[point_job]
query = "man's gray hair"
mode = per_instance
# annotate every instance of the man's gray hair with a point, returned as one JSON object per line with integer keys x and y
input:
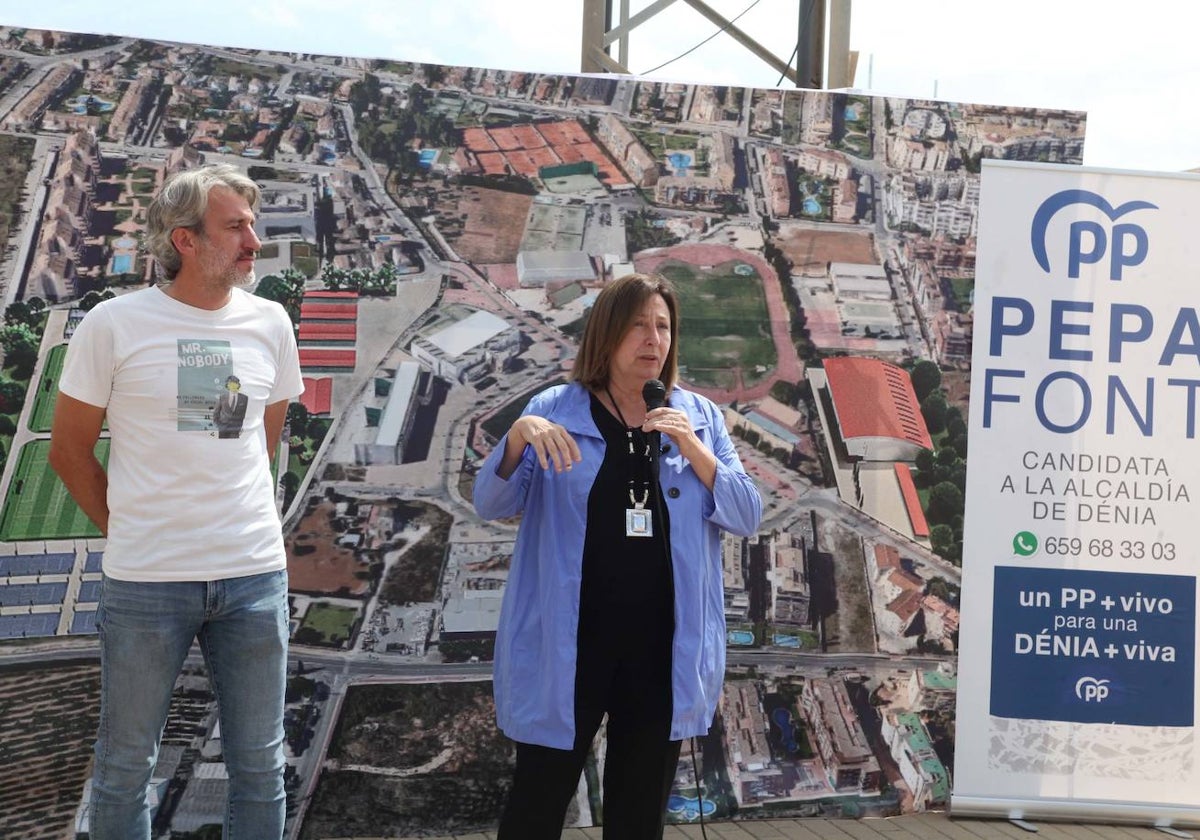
{"x": 182, "y": 202}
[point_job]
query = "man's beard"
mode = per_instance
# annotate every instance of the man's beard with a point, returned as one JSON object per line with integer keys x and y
{"x": 225, "y": 275}
{"x": 235, "y": 279}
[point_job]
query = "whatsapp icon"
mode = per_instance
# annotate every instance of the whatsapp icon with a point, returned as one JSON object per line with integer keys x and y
{"x": 1025, "y": 544}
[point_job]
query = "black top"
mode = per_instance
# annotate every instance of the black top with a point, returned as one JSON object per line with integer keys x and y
{"x": 619, "y": 571}
{"x": 626, "y": 599}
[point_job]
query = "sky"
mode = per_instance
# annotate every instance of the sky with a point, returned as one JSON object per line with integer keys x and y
{"x": 1128, "y": 65}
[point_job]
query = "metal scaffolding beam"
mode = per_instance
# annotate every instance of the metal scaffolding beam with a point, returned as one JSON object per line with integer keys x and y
{"x": 820, "y": 63}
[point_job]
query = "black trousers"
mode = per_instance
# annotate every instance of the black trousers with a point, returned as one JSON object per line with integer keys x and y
{"x": 639, "y": 768}
{"x": 624, "y": 671}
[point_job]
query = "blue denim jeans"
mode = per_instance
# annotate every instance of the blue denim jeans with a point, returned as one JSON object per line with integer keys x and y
{"x": 146, "y": 630}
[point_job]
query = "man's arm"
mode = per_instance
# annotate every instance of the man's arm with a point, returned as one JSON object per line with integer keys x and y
{"x": 73, "y": 456}
{"x": 274, "y": 416}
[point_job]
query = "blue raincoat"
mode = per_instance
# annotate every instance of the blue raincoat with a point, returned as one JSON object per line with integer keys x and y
{"x": 536, "y": 644}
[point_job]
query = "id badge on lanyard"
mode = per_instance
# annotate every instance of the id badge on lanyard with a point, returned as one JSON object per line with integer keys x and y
{"x": 638, "y": 521}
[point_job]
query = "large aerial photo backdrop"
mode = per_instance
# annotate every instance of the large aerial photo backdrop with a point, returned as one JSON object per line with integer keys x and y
{"x": 437, "y": 234}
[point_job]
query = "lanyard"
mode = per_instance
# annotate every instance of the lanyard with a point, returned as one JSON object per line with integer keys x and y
{"x": 637, "y": 503}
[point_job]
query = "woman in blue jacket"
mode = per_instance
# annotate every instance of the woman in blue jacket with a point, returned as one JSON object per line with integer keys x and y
{"x": 614, "y": 603}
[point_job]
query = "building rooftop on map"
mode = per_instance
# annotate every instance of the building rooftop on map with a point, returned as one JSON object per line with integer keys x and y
{"x": 469, "y": 333}
{"x": 876, "y": 408}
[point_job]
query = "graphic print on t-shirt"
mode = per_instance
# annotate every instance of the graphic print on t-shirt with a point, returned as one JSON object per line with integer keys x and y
{"x": 209, "y": 397}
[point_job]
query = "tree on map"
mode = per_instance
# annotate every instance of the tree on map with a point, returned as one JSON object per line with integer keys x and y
{"x": 286, "y": 289}
{"x": 90, "y": 300}
{"x": 940, "y": 587}
{"x": 435, "y": 74}
{"x": 945, "y": 502}
{"x": 926, "y": 378}
{"x": 933, "y": 409}
{"x": 956, "y": 426}
{"x": 12, "y": 396}
{"x": 20, "y": 344}
{"x": 924, "y": 465}
{"x": 944, "y": 542}
{"x": 291, "y": 483}
{"x": 946, "y": 457}
{"x": 297, "y": 418}
{"x": 17, "y": 312}
{"x": 960, "y": 444}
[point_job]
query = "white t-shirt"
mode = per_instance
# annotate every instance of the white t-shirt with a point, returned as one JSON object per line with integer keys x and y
{"x": 190, "y": 495}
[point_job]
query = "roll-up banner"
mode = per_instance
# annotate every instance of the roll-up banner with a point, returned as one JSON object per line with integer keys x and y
{"x": 1077, "y": 679}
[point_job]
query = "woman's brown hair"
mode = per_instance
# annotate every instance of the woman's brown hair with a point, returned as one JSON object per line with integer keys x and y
{"x": 612, "y": 316}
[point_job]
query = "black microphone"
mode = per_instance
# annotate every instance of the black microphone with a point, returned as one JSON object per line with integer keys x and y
{"x": 655, "y": 395}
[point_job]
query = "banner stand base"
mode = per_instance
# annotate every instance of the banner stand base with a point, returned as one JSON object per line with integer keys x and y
{"x": 1169, "y": 819}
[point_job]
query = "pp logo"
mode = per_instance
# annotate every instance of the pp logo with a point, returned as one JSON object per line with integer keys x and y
{"x": 1090, "y": 689}
{"x": 1087, "y": 241}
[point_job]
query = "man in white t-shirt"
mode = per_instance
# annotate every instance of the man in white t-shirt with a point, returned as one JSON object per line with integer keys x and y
{"x": 194, "y": 546}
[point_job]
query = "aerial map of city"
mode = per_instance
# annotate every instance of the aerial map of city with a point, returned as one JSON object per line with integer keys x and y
{"x": 438, "y": 234}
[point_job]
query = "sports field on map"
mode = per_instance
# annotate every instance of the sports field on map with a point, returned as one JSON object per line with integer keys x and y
{"x": 328, "y": 624}
{"x": 42, "y": 413}
{"x": 725, "y": 322}
{"x": 38, "y": 506}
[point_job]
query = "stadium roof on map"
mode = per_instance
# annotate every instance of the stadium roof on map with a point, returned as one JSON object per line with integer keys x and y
{"x": 875, "y": 399}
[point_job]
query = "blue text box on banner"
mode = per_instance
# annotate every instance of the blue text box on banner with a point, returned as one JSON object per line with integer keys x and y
{"x": 1093, "y": 647}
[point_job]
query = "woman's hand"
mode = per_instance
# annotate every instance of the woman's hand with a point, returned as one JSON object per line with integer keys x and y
{"x": 676, "y": 425}
{"x": 551, "y": 443}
